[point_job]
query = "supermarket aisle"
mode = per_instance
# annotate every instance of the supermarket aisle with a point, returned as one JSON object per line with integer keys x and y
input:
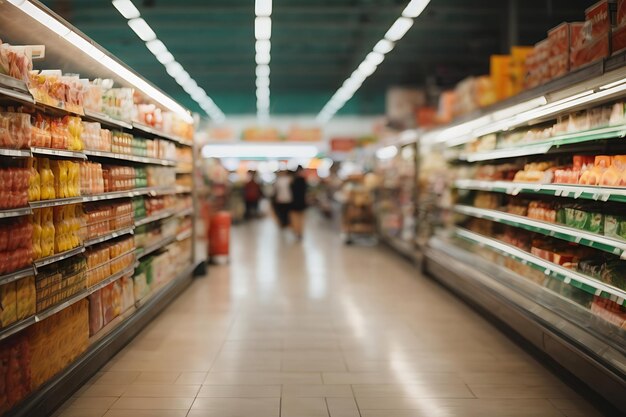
{"x": 320, "y": 329}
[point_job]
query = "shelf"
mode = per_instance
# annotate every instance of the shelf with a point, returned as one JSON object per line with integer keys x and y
{"x": 15, "y": 153}
{"x": 186, "y": 234}
{"x": 55, "y": 202}
{"x": 184, "y": 171}
{"x": 15, "y": 212}
{"x": 126, "y": 271}
{"x": 550, "y": 269}
{"x": 181, "y": 189}
{"x": 155, "y": 247}
{"x": 594, "y": 193}
{"x": 39, "y": 263}
{"x": 19, "y": 274}
{"x": 153, "y": 218}
{"x": 131, "y": 158}
{"x": 186, "y": 212}
{"x": 109, "y": 236}
{"x": 155, "y": 132}
{"x": 542, "y": 147}
{"x": 15, "y": 89}
{"x": 606, "y": 244}
{"x": 22, "y": 324}
{"x": 58, "y": 153}
{"x": 105, "y": 119}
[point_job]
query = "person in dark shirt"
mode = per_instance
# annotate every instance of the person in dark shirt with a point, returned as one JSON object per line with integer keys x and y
{"x": 298, "y": 203}
{"x": 252, "y": 194}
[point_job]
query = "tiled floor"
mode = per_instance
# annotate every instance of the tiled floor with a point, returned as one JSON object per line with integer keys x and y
{"x": 320, "y": 329}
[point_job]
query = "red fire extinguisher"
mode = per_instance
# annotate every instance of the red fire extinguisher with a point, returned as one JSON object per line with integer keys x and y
{"x": 219, "y": 237}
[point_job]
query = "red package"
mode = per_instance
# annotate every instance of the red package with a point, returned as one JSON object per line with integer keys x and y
{"x": 591, "y": 51}
{"x": 559, "y": 39}
{"x": 621, "y": 12}
{"x": 597, "y": 20}
{"x": 618, "y": 38}
{"x": 96, "y": 320}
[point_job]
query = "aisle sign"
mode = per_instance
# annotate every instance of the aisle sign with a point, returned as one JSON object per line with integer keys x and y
{"x": 342, "y": 144}
{"x": 299, "y": 134}
{"x": 260, "y": 134}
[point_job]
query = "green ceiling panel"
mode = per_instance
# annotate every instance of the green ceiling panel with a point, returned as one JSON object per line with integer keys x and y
{"x": 316, "y": 44}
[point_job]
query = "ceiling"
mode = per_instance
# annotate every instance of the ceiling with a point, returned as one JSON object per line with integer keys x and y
{"x": 316, "y": 44}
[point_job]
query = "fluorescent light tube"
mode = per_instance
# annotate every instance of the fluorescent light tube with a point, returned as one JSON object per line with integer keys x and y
{"x": 262, "y": 71}
{"x": 415, "y": 8}
{"x": 142, "y": 29}
{"x": 174, "y": 68}
{"x": 374, "y": 58}
{"x": 262, "y": 59}
{"x": 259, "y": 151}
{"x": 126, "y": 8}
{"x": 383, "y": 46}
{"x": 262, "y": 28}
{"x": 165, "y": 57}
{"x": 183, "y": 77}
{"x": 367, "y": 68}
{"x": 84, "y": 45}
{"x": 263, "y": 46}
{"x": 156, "y": 47}
{"x": 400, "y": 27}
{"x": 263, "y": 7}
{"x": 262, "y": 82}
{"x": 387, "y": 152}
{"x": 45, "y": 19}
{"x": 613, "y": 84}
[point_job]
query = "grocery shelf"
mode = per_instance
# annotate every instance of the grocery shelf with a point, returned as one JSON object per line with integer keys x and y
{"x": 181, "y": 189}
{"x": 185, "y": 212}
{"x": 186, "y": 234}
{"x": 16, "y": 89}
{"x": 17, "y": 327}
{"x": 183, "y": 171}
{"x": 164, "y": 288}
{"x": 156, "y": 246}
{"x": 16, "y": 212}
{"x": 105, "y": 119}
{"x": 593, "y": 240}
{"x": 585, "y": 192}
{"x": 155, "y": 191}
{"x": 55, "y": 202}
{"x": 58, "y": 152}
{"x": 15, "y": 153}
{"x": 568, "y": 276}
{"x": 153, "y": 218}
{"x": 109, "y": 236}
{"x": 131, "y": 158}
{"x": 126, "y": 271}
{"x": 542, "y": 147}
{"x": 39, "y": 263}
{"x": 14, "y": 276}
{"x": 155, "y": 132}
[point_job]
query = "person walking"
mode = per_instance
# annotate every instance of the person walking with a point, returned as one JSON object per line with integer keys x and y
{"x": 298, "y": 205}
{"x": 283, "y": 198}
{"x": 252, "y": 194}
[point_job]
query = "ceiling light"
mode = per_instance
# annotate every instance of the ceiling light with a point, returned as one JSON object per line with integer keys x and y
{"x": 375, "y": 58}
{"x": 44, "y": 18}
{"x": 262, "y": 93}
{"x": 263, "y": 46}
{"x": 415, "y": 8}
{"x": 174, "y": 68}
{"x": 182, "y": 78}
{"x": 383, "y": 46}
{"x": 387, "y": 152}
{"x": 156, "y": 47}
{"x": 259, "y": 151}
{"x": 142, "y": 29}
{"x": 262, "y": 59}
{"x": 126, "y": 8}
{"x": 262, "y": 82}
{"x": 263, "y": 7}
{"x": 262, "y": 27}
{"x": 262, "y": 71}
{"x": 165, "y": 57}
{"x": 367, "y": 68}
{"x": 84, "y": 45}
{"x": 398, "y": 29}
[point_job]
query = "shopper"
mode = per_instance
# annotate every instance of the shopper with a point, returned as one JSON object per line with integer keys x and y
{"x": 298, "y": 205}
{"x": 282, "y": 198}
{"x": 252, "y": 194}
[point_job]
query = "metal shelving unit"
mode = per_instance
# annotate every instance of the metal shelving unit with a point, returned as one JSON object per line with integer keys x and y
{"x": 40, "y": 263}
{"x": 155, "y": 246}
{"x": 109, "y": 236}
{"x": 154, "y": 218}
{"x": 130, "y": 158}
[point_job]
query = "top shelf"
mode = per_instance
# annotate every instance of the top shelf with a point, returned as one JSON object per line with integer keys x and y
{"x": 140, "y": 127}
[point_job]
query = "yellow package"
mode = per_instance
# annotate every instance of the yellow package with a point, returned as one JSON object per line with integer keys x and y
{"x": 34, "y": 183}
{"x": 25, "y": 297}
{"x": 8, "y": 302}
{"x": 47, "y": 232}
{"x": 46, "y": 179}
{"x": 36, "y": 220}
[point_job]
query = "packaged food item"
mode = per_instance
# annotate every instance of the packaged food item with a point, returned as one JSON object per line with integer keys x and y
{"x": 96, "y": 319}
{"x": 128, "y": 293}
{"x": 8, "y": 300}
{"x": 25, "y": 297}
{"x": 615, "y": 226}
{"x": 16, "y": 250}
{"x": 111, "y": 301}
{"x": 597, "y": 20}
{"x": 15, "y": 62}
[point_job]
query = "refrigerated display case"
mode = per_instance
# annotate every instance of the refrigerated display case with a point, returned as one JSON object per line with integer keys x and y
{"x": 536, "y": 235}
{"x": 97, "y": 209}
{"x": 396, "y": 196}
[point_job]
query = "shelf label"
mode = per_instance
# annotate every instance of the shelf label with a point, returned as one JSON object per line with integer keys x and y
{"x": 578, "y": 239}
{"x": 567, "y": 280}
{"x": 578, "y": 193}
{"x": 598, "y": 292}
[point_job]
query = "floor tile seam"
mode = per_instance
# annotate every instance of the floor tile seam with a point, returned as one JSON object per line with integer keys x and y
{"x": 358, "y": 408}
{"x": 327, "y": 407}
{"x": 224, "y": 340}
{"x": 470, "y": 389}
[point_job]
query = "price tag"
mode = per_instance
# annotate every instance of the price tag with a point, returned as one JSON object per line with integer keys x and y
{"x": 578, "y": 193}
{"x": 567, "y": 280}
{"x": 623, "y": 255}
{"x": 595, "y": 196}
{"x": 516, "y": 191}
{"x": 547, "y": 272}
{"x": 578, "y": 239}
{"x": 605, "y": 196}
{"x": 598, "y": 292}
{"x": 620, "y": 300}
{"x": 558, "y": 193}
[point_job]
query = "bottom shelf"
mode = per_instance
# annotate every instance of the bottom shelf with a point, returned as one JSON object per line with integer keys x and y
{"x": 584, "y": 344}
{"x": 103, "y": 346}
